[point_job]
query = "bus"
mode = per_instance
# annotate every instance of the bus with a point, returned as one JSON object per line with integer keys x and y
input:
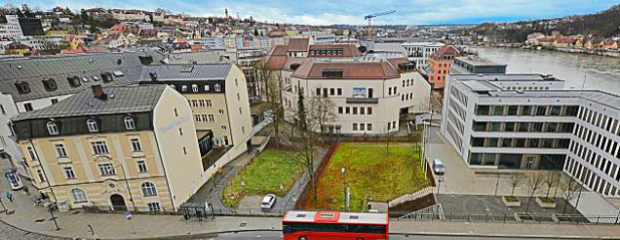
{"x": 307, "y": 225}
{"x": 14, "y": 180}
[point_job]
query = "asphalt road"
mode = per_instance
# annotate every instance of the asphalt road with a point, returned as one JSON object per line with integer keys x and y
{"x": 278, "y": 236}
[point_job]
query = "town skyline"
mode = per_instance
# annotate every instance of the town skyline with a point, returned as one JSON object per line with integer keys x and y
{"x": 418, "y": 12}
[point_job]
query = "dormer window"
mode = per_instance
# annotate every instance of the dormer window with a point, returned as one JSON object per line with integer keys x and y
{"x": 184, "y": 88}
{"x": 52, "y": 128}
{"x": 50, "y": 84}
{"x": 218, "y": 87}
{"x": 118, "y": 74}
{"x": 74, "y": 81}
{"x": 194, "y": 88}
{"x": 129, "y": 123}
{"x": 107, "y": 77}
{"x": 22, "y": 87}
{"x": 92, "y": 125}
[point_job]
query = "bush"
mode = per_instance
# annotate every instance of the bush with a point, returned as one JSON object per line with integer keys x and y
{"x": 511, "y": 199}
{"x": 547, "y": 199}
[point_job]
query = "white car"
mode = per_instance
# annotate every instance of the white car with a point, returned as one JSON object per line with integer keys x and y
{"x": 268, "y": 201}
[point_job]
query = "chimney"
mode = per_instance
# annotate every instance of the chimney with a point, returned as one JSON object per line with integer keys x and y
{"x": 98, "y": 92}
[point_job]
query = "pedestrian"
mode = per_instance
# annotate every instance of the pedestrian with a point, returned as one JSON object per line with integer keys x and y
{"x": 9, "y": 196}
{"x": 26, "y": 191}
{"x": 199, "y": 215}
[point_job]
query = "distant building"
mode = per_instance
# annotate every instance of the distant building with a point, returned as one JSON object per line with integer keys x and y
{"x": 476, "y": 65}
{"x": 420, "y": 52}
{"x": 31, "y": 27}
{"x": 439, "y": 66}
{"x": 10, "y": 27}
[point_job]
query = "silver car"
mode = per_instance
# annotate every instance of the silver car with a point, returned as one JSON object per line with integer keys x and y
{"x": 268, "y": 201}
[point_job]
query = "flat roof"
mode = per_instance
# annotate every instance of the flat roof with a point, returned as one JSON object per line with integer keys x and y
{"x": 343, "y": 217}
{"x": 478, "y": 61}
{"x": 504, "y": 77}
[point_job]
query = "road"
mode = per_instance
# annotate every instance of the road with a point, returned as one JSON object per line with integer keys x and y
{"x": 278, "y": 236}
{"x": 9, "y": 232}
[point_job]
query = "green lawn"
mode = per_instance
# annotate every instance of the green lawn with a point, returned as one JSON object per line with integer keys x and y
{"x": 262, "y": 176}
{"x": 370, "y": 173}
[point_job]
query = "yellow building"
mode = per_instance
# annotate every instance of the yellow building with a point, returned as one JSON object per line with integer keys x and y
{"x": 131, "y": 147}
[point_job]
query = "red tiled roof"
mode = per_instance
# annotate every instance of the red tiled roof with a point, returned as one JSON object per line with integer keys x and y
{"x": 350, "y": 70}
{"x": 278, "y": 50}
{"x": 298, "y": 44}
{"x": 445, "y": 50}
{"x": 349, "y": 49}
{"x": 396, "y": 61}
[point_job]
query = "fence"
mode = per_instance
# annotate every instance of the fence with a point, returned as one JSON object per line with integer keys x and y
{"x": 510, "y": 218}
{"x": 411, "y": 197}
{"x": 317, "y": 173}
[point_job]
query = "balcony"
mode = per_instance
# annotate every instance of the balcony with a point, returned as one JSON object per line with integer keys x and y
{"x": 362, "y": 100}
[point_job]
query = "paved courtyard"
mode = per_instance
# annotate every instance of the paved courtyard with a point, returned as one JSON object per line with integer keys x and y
{"x": 457, "y": 204}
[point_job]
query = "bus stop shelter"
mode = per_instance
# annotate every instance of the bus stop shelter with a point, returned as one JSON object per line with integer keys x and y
{"x": 198, "y": 210}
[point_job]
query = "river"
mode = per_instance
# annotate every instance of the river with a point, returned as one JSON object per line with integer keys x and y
{"x": 599, "y": 72}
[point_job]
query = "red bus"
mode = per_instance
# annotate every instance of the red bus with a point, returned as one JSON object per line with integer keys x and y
{"x": 303, "y": 225}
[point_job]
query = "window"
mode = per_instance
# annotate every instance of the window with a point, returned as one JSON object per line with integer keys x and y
{"x": 92, "y": 125}
{"x": 79, "y": 196}
{"x": 369, "y": 126}
{"x": 52, "y": 128}
{"x": 354, "y": 126}
{"x": 54, "y": 101}
{"x": 99, "y": 147}
{"x": 339, "y": 91}
{"x": 28, "y": 107}
{"x": 369, "y": 111}
{"x": 31, "y": 153}
{"x": 69, "y": 174}
{"x": 340, "y": 110}
{"x": 129, "y": 123}
{"x": 226, "y": 141}
{"x": 211, "y": 118}
{"x": 61, "y": 152}
{"x": 148, "y": 189}
{"x": 107, "y": 169}
{"x": 208, "y": 103}
{"x": 194, "y": 88}
{"x": 141, "y": 166}
{"x": 41, "y": 175}
{"x": 218, "y": 87}
{"x": 206, "y": 88}
{"x": 223, "y": 127}
{"x": 154, "y": 207}
{"x": 135, "y": 145}
{"x": 184, "y": 88}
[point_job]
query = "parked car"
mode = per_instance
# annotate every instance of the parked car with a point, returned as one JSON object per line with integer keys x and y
{"x": 438, "y": 167}
{"x": 268, "y": 201}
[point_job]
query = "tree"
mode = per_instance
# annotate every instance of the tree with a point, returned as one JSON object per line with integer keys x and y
{"x": 270, "y": 85}
{"x": 321, "y": 111}
{"x": 255, "y": 32}
{"x": 569, "y": 187}
{"x": 535, "y": 182}
{"x": 514, "y": 181}
{"x": 552, "y": 179}
{"x": 303, "y": 142}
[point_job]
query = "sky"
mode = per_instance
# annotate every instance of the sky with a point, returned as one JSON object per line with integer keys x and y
{"x": 327, "y": 12}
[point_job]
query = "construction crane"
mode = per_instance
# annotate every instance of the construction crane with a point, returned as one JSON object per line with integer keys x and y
{"x": 369, "y": 17}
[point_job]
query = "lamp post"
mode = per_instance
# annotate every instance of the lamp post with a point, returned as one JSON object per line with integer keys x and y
{"x": 133, "y": 204}
{"x": 344, "y": 184}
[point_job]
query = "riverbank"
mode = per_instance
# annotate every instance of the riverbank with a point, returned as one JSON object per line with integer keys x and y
{"x": 572, "y": 50}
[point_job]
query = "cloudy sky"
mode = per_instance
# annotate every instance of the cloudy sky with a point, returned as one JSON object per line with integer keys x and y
{"x": 325, "y": 12}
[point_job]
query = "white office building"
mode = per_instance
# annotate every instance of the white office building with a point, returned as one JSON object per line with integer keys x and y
{"x": 420, "y": 52}
{"x": 9, "y": 27}
{"x": 526, "y": 121}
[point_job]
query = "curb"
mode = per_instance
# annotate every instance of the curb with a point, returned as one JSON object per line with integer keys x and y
{"x": 500, "y": 236}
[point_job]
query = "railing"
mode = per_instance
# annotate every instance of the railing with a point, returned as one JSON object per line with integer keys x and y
{"x": 411, "y": 197}
{"x": 511, "y": 218}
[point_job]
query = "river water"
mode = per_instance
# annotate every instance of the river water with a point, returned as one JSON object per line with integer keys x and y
{"x": 599, "y": 72}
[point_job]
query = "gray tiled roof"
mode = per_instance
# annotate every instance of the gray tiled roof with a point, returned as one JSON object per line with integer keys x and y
{"x": 35, "y": 69}
{"x": 121, "y": 99}
{"x": 173, "y": 72}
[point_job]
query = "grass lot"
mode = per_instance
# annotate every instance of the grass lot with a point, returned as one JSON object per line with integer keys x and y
{"x": 370, "y": 173}
{"x": 262, "y": 176}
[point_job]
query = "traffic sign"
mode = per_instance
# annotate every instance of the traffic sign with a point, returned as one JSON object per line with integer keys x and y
{"x": 128, "y": 215}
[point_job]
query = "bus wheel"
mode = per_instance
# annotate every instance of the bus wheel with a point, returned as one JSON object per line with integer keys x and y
{"x": 303, "y": 238}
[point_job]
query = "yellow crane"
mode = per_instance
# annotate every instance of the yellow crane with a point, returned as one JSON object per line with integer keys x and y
{"x": 369, "y": 17}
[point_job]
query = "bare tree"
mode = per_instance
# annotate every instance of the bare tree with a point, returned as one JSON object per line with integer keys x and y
{"x": 270, "y": 84}
{"x": 321, "y": 112}
{"x": 514, "y": 181}
{"x": 552, "y": 179}
{"x": 303, "y": 141}
{"x": 569, "y": 187}
{"x": 535, "y": 183}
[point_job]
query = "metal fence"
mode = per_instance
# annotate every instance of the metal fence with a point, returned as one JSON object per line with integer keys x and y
{"x": 509, "y": 218}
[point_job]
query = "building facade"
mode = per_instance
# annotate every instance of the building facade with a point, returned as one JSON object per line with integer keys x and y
{"x": 527, "y": 121}
{"x": 439, "y": 65}
{"x": 127, "y": 148}
{"x": 9, "y": 27}
{"x": 367, "y": 98}
{"x": 476, "y": 65}
{"x": 420, "y": 52}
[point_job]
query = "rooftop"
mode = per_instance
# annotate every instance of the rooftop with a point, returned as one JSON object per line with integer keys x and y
{"x": 346, "y": 70}
{"x": 477, "y": 61}
{"x": 185, "y": 72}
{"x": 121, "y": 99}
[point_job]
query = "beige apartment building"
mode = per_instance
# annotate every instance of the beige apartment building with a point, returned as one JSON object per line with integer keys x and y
{"x": 218, "y": 97}
{"x": 130, "y": 147}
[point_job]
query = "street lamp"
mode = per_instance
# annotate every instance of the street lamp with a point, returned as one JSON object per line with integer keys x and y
{"x": 344, "y": 184}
